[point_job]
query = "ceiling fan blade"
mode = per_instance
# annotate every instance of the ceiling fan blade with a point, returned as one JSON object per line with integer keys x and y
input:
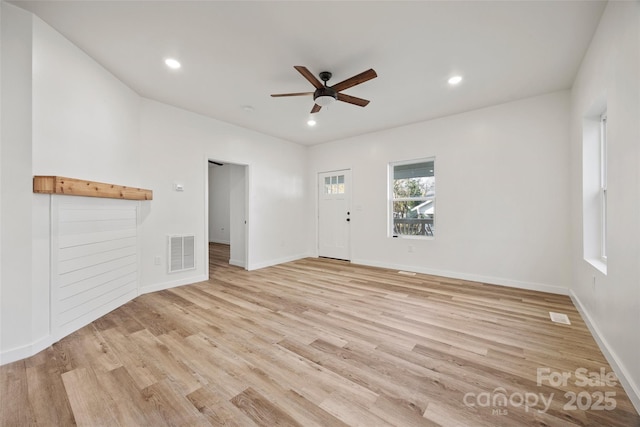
{"x": 276, "y": 95}
{"x": 355, "y": 80}
{"x": 307, "y": 75}
{"x": 315, "y": 108}
{"x": 352, "y": 100}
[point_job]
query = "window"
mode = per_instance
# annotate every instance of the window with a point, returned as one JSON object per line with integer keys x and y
{"x": 412, "y": 198}
{"x": 334, "y": 184}
{"x": 594, "y": 185}
{"x": 603, "y": 187}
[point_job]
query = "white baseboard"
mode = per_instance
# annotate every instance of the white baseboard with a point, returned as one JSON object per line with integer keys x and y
{"x": 270, "y": 263}
{"x": 238, "y": 263}
{"x": 173, "y": 284}
{"x": 500, "y": 281}
{"x": 632, "y": 389}
{"x": 25, "y": 351}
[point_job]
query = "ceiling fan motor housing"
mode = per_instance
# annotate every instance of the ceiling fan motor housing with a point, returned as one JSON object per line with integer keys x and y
{"x": 325, "y": 91}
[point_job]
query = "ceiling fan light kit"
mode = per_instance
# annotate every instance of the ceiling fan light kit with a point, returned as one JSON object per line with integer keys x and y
{"x": 326, "y": 95}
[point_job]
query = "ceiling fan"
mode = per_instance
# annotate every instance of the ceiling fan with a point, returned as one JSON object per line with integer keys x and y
{"x": 325, "y": 95}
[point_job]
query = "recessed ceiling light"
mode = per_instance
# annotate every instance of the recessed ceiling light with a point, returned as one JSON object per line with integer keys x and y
{"x": 311, "y": 122}
{"x": 455, "y": 80}
{"x": 172, "y": 63}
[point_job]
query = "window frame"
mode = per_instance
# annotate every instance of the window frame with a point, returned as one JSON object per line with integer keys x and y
{"x": 603, "y": 187}
{"x": 391, "y": 200}
{"x": 336, "y": 186}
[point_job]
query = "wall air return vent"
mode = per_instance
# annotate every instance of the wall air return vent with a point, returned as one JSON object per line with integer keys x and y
{"x": 182, "y": 252}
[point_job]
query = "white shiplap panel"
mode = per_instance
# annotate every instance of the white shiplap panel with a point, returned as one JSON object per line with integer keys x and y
{"x": 94, "y": 259}
{"x": 89, "y": 238}
{"x": 80, "y": 301}
{"x": 90, "y": 283}
{"x": 112, "y": 297}
{"x": 94, "y": 203}
{"x": 89, "y": 226}
{"x": 78, "y": 215}
{"x": 67, "y": 253}
{"x": 95, "y": 270}
{"x": 84, "y": 262}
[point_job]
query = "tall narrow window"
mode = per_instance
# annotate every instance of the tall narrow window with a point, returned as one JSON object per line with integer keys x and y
{"x": 595, "y": 126}
{"x": 412, "y": 198}
{"x": 603, "y": 187}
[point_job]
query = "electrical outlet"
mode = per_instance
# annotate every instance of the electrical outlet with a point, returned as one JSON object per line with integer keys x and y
{"x": 410, "y": 249}
{"x": 157, "y": 260}
{"x": 594, "y": 283}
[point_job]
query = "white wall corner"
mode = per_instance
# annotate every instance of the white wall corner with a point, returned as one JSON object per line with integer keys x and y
{"x": 173, "y": 284}
{"x": 238, "y": 263}
{"x": 270, "y": 263}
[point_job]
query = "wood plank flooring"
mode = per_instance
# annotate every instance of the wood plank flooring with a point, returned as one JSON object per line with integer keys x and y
{"x": 320, "y": 342}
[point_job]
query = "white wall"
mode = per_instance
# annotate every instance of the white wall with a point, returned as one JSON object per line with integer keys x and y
{"x": 15, "y": 181}
{"x": 219, "y": 200}
{"x": 502, "y": 193}
{"x": 610, "y": 72}
{"x": 177, "y": 145}
{"x": 85, "y": 120}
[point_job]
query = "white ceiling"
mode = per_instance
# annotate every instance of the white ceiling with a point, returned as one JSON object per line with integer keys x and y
{"x": 236, "y": 53}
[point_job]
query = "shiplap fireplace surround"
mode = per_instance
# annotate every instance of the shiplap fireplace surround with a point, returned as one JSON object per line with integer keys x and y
{"x": 94, "y": 248}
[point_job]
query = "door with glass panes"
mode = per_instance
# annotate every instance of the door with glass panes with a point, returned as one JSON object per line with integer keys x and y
{"x": 334, "y": 214}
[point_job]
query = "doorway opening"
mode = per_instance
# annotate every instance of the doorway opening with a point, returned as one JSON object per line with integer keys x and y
{"x": 227, "y": 214}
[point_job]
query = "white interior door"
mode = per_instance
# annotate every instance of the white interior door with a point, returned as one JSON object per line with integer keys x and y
{"x": 334, "y": 214}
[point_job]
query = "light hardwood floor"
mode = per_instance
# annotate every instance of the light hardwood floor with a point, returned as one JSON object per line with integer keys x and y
{"x": 318, "y": 342}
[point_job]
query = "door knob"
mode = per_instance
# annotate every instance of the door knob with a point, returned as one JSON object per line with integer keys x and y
{"x": 348, "y": 219}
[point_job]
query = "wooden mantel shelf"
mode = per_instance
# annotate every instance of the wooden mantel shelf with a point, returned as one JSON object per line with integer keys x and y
{"x": 80, "y": 187}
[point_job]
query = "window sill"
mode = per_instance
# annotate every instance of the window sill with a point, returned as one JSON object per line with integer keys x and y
{"x": 411, "y": 237}
{"x": 598, "y": 264}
